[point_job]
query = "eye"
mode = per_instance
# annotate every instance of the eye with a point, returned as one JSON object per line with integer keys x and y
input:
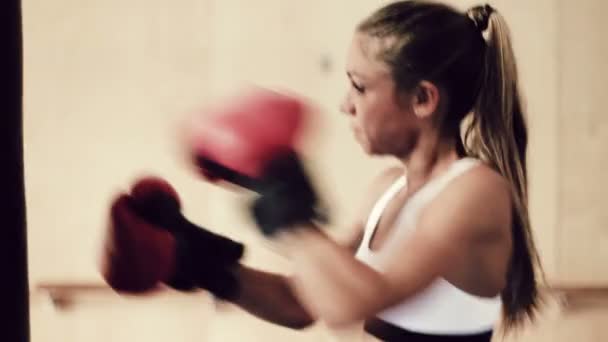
{"x": 358, "y": 88}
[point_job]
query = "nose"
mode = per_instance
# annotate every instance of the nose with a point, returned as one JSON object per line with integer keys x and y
{"x": 347, "y": 106}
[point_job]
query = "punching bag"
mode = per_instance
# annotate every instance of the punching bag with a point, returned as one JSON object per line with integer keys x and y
{"x": 14, "y": 295}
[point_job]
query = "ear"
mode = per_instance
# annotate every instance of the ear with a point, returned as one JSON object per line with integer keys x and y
{"x": 425, "y": 100}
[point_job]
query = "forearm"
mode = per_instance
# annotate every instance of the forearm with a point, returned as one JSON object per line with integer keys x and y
{"x": 332, "y": 284}
{"x": 270, "y": 297}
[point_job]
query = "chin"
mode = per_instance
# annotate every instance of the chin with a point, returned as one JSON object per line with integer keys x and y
{"x": 367, "y": 147}
{"x": 375, "y": 151}
{"x": 369, "y": 150}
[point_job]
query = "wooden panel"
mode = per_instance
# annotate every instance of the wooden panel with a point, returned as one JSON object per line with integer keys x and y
{"x": 583, "y": 134}
{"x": 102, "y": 97}
{"x": 105, "y": 82}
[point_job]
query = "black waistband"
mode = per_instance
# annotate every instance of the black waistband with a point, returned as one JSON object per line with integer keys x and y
{"x": 390, "y": 333}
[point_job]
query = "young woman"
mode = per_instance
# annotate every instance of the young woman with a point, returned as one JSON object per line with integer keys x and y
{"x": 444, "y": 246}
{"x": 442, "y": 249}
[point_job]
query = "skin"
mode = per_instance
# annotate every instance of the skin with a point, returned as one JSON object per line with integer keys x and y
{"x": 463, "y": 234}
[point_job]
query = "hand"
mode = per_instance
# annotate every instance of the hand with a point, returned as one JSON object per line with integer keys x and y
{"x": 198, "y": 259}
{"x": 251, "y": 142}
{"x": 137, "y": 255}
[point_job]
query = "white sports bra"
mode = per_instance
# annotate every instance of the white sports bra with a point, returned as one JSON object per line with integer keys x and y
{"x": 441, "y": 308}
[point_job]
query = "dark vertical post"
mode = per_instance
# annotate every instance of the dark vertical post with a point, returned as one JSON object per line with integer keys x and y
{"x": 14, "y": 293}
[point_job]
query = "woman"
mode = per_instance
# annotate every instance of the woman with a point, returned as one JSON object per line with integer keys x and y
{"x": 442, "y": 247}
{"x": 444, "y": 242}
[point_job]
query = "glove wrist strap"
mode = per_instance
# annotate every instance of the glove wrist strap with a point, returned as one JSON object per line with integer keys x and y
{"x": 201, "y": 265}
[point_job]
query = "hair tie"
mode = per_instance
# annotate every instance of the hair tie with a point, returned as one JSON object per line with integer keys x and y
{"x": 480, "y": 15}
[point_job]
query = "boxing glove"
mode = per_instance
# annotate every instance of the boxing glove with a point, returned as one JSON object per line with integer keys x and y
{"x": 203, "y": 259}
{"x": 137, "y": 256}
{"x": 198, "y": 258}
{"x": 251, "y": 141}
{"x": 235, "y": 139}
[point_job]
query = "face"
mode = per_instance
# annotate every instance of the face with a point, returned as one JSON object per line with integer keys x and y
{"x": 382, "y": 119}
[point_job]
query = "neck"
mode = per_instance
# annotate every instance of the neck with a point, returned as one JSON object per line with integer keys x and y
{"x": 430, "y": 156}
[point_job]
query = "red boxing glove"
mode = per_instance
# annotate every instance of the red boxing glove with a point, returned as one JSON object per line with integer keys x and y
{"x": 150, "y": 242}
{"x": 251, "y": 141}
{"x": 137, "y": 256}
{"x": 147, "y": 189}
{"x": 245, "y": 134}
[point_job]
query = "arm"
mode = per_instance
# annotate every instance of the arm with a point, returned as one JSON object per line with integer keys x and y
{"x": 269, "y": 297}
{"x": 272, "y": 298}
{"x": 339, "y": 289}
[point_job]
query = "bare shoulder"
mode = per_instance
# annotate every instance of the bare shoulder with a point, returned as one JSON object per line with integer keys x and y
{"x": 476, "y": 202}
{"x": 482, "y": 180}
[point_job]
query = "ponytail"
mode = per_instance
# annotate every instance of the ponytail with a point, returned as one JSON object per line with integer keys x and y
{"x": 497, "y": 133}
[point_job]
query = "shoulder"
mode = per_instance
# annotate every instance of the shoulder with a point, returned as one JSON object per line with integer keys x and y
{"x": 481, "y": 180}
{"x": 476, "y": 202}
